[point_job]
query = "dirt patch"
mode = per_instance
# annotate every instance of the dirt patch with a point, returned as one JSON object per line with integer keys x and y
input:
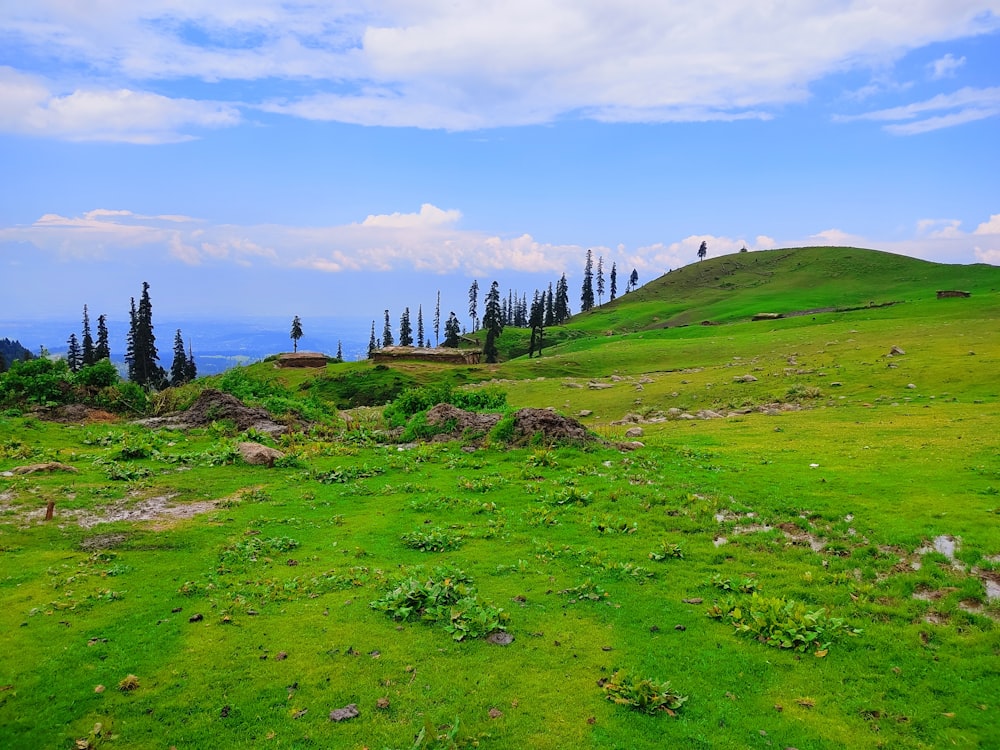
{"x": 103, "y": 541}
{"x": 550, "y": 425}
{"x": 460, "y": 422}
{"x": 214, "y": 406}
{"x": 160, "y": 509}
{"x": 74, "y": 414}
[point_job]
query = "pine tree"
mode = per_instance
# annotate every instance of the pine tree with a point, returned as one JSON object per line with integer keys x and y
{"x": 296, "y": 333}
{"x": 474, "y": 303}
{"x": 549, "y": 303}
{"x": 437, "y": 320}
{"x": 387, "y": 339}
{"x": 130, "y": 342}
{"x": 192, "y": 370}
{"x": 74, "y": 357}
{"x": 587, "y": 292}
{"x": 179, "y": 367}
{"x": 703, "y": 250}
{"x": 145, "y": 358}
{"x": 600, "y": 280}
{"x": 633, "y": 280}
{"x": 405, "y": 329}
{"x": 420, "y": 326}
{"x": 372, "y": 342}
{"x": 340, "y": 351}
{"x": 561, "y": 305}
{"x": 452, "y": 329}
{"x": 536, "y": 321}
{"x": 101, "y": 349}
{"x": 88, "y": 341}
{"x": 493, "y": 322}
{"x": 614, "y": 282}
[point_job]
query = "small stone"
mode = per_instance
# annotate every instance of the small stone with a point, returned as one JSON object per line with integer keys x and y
{"x": 196, "y": 618}
{"x": 99, "y": 689}
{"x": 692, "y": 601}
{"x": 911, "y": 386}
{"x": 500, "y": 638}
{"x": 281, "y": 656}
{"x": 350, "y": 711}
{"x": 634, "y": 432}
{"x": 382, "y": 703}
{"x": 495, "y": 713}
{"x": 679, "y": 627}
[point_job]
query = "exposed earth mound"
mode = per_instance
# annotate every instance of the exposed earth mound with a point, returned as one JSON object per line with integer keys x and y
{"x": 213, "y": 406}
{"x": 551, "y": 426}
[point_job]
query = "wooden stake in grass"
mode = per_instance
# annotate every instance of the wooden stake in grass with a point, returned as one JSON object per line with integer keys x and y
{"x": 49, "y": 509}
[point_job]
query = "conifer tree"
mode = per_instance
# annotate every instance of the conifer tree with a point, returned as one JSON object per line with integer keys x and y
{"x": 587, "y": 292}
{"x": 493, "y": 322}
{"x": 633, "y": 280}
{"x": 387, "y": 339}
{"x": 561, "y": 305}
{"x": 130, "y": 341}
{"x": 102, "y": 350}
{"x": 452, "y": 329}
{"x": 549, "y": 302}
{"x": 147, "y": 371}
{"x": 405, "y": 329}
{"x": 437, "y": 320}
{"x": 340, "y": 351}
{"x": 536, "y": 321}
{"x": 372, "y": 342}
{"x": 73, "y": 355}
{"x": 420, "y": 326}
{"x": 600, "y": 280}
{"x": 474, "y": 303}
{"x": 614, "y": 282}
{"x": 296, "y": 333}
{"x": 88, "y": 341}
{"x": 179, "y": 367}
{"x": 192, "y": 369}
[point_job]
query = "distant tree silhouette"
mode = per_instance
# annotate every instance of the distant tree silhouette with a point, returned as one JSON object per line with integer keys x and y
{"x": 536, "y": 321}
{"x": 703, "y": 250}
{"x": 633, "y": 280}
{"x": 405, "y": 329}
{"x": 296, "y": 333}
{"x": 143, "y": 363}
{"x": 493, "y": 322}
{"x": 387, "y": 339}
{"x": 87, "y": 351}
{"x": 191, "y": 372}
{"x": 474, "y": 303}
{"x": 600, "y": 280}
{"x": 437, "y": 320}
{"x": 614, "y": 282}
{"x": 372, "y": 342}
{"x": 561, "y": 305}
{"x": 587, "y": 292}
{"x": 179, "y": 367}
{"x": 452, "y": 330}
{"x": 340, "y": 351}
{"x": 74, "y": 357}
{"x": 420, "y": 326}
{"x": 550, "y": 311}
{"x": 101, "y": 349}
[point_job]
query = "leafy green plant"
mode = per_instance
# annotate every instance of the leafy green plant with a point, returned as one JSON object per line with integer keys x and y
{"x": 586, "y": 591}
{"x": 448, "y": 597}
{"x": 611, "y": 525}
{"x": 744, "y": 586}
{"x": 783, "y": 623}
{"x": 342, "y": 475}
{"x": 642, "y": 694}
{"x": 434, "y": 540}
{"x": 666, "y": 551}
{"x": 570, "y": 496}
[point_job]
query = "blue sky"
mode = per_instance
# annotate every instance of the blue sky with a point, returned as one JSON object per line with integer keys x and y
{"x": 255, "y": 157}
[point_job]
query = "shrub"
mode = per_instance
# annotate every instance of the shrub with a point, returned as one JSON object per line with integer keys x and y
{"x": 435, "y": 540}
{"x": 101, "y": 374}
{"x": 36, "y": 381}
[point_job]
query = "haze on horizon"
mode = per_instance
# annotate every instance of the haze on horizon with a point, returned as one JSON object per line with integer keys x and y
{"x": 274, "y": 158}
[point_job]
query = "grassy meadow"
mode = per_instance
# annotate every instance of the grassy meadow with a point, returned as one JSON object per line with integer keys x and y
{"x": 818, "y": 566}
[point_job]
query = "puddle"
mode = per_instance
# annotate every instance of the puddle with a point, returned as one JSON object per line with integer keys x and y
{"x": 945, "y": 545}
{"x": 159, "y": 508}
{"x": 752, "y": 528}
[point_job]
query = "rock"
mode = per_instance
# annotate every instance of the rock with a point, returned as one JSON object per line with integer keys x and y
{"x": 634, "y": 432}
{"x": 44, "y": 467}
{"x": 836, "y": 384}
{"x": 896, "y": 351}
{"x": 685, "y": 415}
{"x": 745, "y": 379}
{"x": 709, "y": 414}
{"x": 911, "y": 386}
{"x": 631, "y": 445}
{"x": 617, "y": 378}
{"x": 595, "y": 386}
{"x": 572, "y": 385}
{"x": 256, "y": 454}
{"x": 585, "y": 412}
{"x": 500, "y": 638}
{"x": 673, "y": 411}
{"x": 350, "y": 711}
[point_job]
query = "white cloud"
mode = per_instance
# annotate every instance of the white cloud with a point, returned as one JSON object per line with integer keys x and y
{"x": 945, "y": 67}
{"x": 121, "y": 115}
{"x": 463, "y": 64}
{"x": 988, "y": 256}
{"x": 966, "y": 105}
{"x": 989, "y": 227}
{"x": 939, "y": 228}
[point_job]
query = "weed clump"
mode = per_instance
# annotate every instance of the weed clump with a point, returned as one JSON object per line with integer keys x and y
{"x": 642, "y": 694}
{"x": 435, "y": 540}
{"x": 446, "y": 597}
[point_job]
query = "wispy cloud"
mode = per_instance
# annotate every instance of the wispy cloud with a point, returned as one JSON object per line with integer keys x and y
{"x": 30, "y": 107}
{"x": 941, "y": 111}
{"x": 452, "y": 65}
{"x": 945, "y": 67}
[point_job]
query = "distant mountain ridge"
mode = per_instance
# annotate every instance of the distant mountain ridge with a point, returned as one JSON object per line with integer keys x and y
{"x": 11, "y": 351}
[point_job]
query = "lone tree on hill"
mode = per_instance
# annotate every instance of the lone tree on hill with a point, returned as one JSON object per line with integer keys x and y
{"x": 179, "y": 367}
{"x": 614, "y": 282}
{"x": 633, "y": 280}
{"x": 493, "y": 322}
{"x": 600, "y": 280}
{"x": 340, "y": 351}
{"x": 372, "y": 342}
{"x": 296, "y": 333}
{"x": 703, "y": 250}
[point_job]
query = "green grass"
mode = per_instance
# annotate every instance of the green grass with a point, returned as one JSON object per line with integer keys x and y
{"x": 575, "y": 546}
